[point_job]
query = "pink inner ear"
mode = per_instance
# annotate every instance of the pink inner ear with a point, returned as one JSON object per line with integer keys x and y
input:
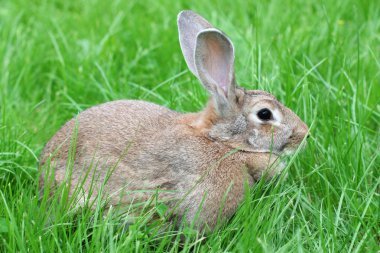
{"x": 218, "y": 61}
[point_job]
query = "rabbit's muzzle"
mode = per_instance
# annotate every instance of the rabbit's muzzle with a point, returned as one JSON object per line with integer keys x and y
{"x": 296, "y": 140}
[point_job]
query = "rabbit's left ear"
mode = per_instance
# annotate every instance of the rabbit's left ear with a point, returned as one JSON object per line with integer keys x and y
{"x": 214, "y": 61}
{"x": 209, "y": 54}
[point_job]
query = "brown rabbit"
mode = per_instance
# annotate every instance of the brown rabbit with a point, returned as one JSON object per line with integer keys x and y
{"x": 203, "y": 158}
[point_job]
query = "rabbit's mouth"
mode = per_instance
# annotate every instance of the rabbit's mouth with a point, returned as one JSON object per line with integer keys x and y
{"x": 273, "y": 153}
{"x": 289, "y": 149}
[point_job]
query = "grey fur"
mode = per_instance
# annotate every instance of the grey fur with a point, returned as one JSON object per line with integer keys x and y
{"x": 197, "y": 156}
{"x": 189, "y": 25}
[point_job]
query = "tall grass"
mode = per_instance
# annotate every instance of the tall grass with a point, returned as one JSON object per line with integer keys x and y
{"x": 320, "y": 58}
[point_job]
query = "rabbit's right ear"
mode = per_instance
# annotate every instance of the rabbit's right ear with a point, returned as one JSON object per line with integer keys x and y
{"x": 189, "y": 25}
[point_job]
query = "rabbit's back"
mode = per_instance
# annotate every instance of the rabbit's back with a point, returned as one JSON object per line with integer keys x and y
{"x": 148, "y": 148}
{"x": 109, "y": 126}
{"x": 107, "y": 137}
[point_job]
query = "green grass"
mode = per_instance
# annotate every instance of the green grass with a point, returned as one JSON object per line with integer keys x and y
{"x": 320, "y": 58}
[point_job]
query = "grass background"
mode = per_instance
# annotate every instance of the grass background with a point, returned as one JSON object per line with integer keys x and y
{"x": 320, "y": 58}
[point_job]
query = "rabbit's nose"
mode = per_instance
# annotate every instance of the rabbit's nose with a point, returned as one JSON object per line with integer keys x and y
{"x": 299, "y": 133}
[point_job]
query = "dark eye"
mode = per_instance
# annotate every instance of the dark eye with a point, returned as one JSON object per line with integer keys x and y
{"x": 264, "y": 114}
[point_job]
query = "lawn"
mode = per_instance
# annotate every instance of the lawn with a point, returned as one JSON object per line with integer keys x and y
{"x": 320, "y": 58}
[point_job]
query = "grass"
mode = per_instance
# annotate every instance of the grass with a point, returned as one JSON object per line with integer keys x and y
{"x": 320, "y": 58}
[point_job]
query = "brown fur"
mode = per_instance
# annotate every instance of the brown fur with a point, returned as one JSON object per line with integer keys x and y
{"x": 203, "y": 159}
{"x": 169, "y": 151}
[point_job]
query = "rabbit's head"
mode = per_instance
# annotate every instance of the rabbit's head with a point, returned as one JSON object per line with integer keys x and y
{"x": 251, "y": 120}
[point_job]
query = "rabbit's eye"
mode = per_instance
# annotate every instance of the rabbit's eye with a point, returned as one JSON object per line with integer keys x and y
{"x": 264, "y": 114}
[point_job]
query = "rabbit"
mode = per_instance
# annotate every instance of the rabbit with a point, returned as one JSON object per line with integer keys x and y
{"x": 201, "y": 161}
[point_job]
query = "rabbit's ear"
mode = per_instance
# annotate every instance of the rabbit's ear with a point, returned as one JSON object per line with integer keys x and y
{"x": 214, "y": 62}
{"x": 189, "y": 25}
